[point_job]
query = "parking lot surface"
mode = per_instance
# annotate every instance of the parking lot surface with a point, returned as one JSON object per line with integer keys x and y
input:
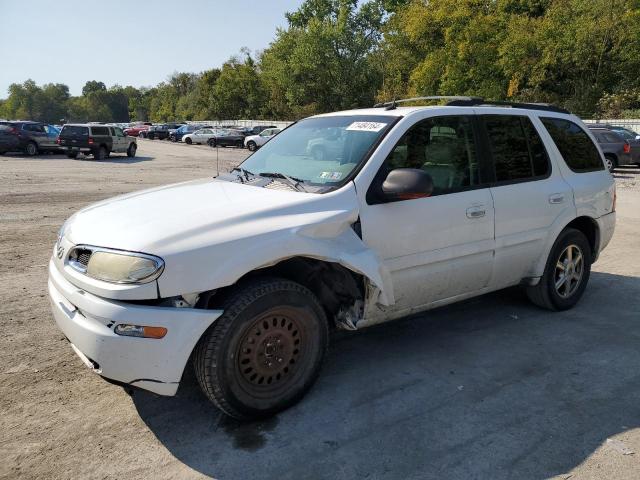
{"x": 489, "y": 388}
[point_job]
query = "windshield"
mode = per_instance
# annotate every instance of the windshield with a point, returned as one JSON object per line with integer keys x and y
{"x": 321, "y": 151}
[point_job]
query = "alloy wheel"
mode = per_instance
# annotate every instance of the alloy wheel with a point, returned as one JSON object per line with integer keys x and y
{"x": 568, "y": 271}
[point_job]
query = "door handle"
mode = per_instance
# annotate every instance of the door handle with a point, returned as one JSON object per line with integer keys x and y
{"x": 476, "y": 212}
{"x": 556, "y": 198}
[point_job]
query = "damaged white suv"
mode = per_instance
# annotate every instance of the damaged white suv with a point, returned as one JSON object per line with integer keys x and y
{"x": 244, "y": 275}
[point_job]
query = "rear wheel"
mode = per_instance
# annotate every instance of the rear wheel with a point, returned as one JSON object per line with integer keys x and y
{"x": 188, "y": 141}
{"x": 240, "y": 144}
{"x": 610, "y": 162}
{"x": 566, "y": 273}
{"x": 251, "y": 145}
{"x": 100, "y": 153}
{"x": 31, "y": 149}
{"x": 211, "y": 142}
{"x": 72, "y": 155}
{"x": 265, "y": 351}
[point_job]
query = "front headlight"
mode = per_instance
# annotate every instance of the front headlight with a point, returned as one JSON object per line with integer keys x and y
{"x": 115, "y": 266}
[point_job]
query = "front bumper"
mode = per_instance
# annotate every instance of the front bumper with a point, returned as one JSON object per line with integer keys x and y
{"x": 152, "y": 364}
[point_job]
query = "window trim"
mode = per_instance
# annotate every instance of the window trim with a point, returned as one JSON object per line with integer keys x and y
{"x": 373, "y": 196}
{"x": 489, "y": 155}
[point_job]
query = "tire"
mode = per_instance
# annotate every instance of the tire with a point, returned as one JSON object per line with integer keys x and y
{"x": 2, "y": 152}
{"x": 610, "y": 162}
{"x": 31, "y": 149}
{"x": 173, "y": 139}
{"x": 251, "y": 145}
{"x": 240, "y": 144}
{"x": 188, "y": 141}
{"x": 72, "y": 155}
{"x": 546, "y": 294}
{"x": 249, "y": 375}
{"x": 131, "y": 151}
{"x": 100, "y": 153}
{"x": 212, "y": 142}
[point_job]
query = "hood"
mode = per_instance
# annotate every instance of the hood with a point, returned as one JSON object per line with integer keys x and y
{"x": 177, "y": 217}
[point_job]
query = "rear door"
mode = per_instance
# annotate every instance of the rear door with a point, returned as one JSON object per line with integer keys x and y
{"x": 528, "y": 194}
{"x": 38, "y": 134}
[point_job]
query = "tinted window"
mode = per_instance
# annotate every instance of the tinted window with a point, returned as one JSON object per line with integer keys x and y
{"x": 575, "y": 146}
{"x": 75, "y": 131}
{"x": 33, "y": 128}
{"x": 613, "y": 137}
{"x": 119, "y": 132}
{"x": 516, "y": 148}
{"x": 444, "y": 148}
{"x": 99, "y": 131}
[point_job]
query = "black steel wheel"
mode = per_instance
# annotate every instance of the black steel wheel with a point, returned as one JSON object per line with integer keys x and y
{"x": 265, "y": 351}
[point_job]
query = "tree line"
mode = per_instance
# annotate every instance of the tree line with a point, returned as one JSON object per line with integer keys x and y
{"x": 340, "y": 54}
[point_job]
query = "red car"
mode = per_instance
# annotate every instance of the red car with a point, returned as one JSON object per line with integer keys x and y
{"x": 136, "y": 129}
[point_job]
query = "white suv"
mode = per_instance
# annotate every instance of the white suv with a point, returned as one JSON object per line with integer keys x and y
{"x": 254, "y": 142}
{"x": 246, "y": 273}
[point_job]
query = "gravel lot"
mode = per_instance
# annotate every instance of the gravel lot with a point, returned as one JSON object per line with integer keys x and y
{"x": 490, "y": 388}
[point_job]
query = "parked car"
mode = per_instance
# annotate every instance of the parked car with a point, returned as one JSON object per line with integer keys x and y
{"x": 226, "y": 138}
{"x": 254, "y": 142}
{"x": 631, "y": 137}
{"x": 137, "y": 130}
{"x": 200, "y": 137}
{"x": 32, "y": 137}
{"x": 161, "y": 132}
{"x": 617, "y": 151}
{"x": 258, "y": 129}
{"x": 244, "y": 274}
{"x": 97, "y": 140}
{"x": 184, "y": 130}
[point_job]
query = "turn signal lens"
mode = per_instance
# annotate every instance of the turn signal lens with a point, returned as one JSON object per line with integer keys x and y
{"x": 140, "y": 331}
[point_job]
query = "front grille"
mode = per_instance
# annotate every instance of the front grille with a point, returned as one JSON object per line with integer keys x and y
{"x": 79, "y": 258}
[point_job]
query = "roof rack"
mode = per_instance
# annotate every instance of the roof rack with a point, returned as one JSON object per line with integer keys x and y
{"x": 452, "y": 98}
{"x": 464, "y": 101}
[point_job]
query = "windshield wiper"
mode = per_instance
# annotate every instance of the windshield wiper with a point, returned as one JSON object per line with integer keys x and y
{"x": 244, "y": 172}
{"x": 296, "y": 183}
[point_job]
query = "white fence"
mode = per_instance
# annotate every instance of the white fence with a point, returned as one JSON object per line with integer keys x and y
{"x": 630, "y": 123}
{"x": 243, "y": 123}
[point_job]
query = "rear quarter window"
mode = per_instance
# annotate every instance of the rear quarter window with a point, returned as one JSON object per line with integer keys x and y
{"x": 99, "y": 131}
{"x": 575, "y": 146}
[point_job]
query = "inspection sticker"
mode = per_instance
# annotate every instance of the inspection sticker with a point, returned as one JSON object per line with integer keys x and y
{"x": 366, "y": 126}
{"x": 331, "y": 175}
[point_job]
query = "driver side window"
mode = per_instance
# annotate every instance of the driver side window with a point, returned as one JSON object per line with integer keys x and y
{"x": 443, "y": 147}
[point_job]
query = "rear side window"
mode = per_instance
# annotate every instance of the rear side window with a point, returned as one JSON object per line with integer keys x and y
{"x": 99, "y": 131}
{"x": 516, "y": 148}
{"x": 72, "y": 130}
{"x": 575, "y": 146}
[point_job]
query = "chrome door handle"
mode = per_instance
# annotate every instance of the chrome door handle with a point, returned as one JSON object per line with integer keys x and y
{"x": 476, "y": 212}
{"x": 556, "y": 198}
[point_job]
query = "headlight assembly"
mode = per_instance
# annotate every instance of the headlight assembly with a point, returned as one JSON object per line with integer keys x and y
{"x": 115, "y": 266}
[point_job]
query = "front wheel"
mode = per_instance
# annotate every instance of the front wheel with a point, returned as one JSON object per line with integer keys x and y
{"x": 566, "y": 273}
{"x": 611, "y": 163}
{"x": 131, "y": 151}
{"x": 188, "y": 141}
{"x": 211, "y": 142}
{"x": 264, "y": 353}
{"x": 72, "y": 155}
{"x": 31, "y": 149}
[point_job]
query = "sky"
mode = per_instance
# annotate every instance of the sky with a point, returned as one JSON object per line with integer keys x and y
{"x": 137, "y": 43}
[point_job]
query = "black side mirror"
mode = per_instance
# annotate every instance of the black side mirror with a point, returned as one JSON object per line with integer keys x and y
{"x": 407, "y": 184}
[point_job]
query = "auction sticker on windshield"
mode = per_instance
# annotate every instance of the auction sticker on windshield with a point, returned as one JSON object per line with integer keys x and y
{"x": 366, "y": 126}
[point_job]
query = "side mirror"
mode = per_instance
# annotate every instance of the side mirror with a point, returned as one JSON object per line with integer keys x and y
{"x": 407, "y": 184}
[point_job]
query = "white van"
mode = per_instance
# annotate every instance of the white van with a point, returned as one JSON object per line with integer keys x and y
{"x": 246, "y": 273}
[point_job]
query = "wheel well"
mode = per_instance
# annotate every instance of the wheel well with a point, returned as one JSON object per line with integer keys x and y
{"x": 335, "y": 286}
{"x": 612, "y": 156}
{"x": 589, "y": 227}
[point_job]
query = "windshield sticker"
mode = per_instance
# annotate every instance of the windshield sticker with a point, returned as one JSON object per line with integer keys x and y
{"x": 366, "y": 126}
{"x": 331, "y": 175}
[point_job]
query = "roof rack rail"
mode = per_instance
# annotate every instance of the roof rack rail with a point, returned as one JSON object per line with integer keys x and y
{"x": 479, "y": 102}
{"x": 452, "y": 98}
{"x": 465, "y": 101}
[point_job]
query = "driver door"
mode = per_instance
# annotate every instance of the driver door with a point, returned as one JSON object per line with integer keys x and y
{"x": 438, "y": 247}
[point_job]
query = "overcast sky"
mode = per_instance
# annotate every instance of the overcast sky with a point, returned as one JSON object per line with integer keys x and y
{"x": 128, "y": 42}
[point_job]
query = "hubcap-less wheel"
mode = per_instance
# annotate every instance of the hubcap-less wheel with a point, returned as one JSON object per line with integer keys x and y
{"x": 269, "y": 351}
{"x": 568, "y": 272}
